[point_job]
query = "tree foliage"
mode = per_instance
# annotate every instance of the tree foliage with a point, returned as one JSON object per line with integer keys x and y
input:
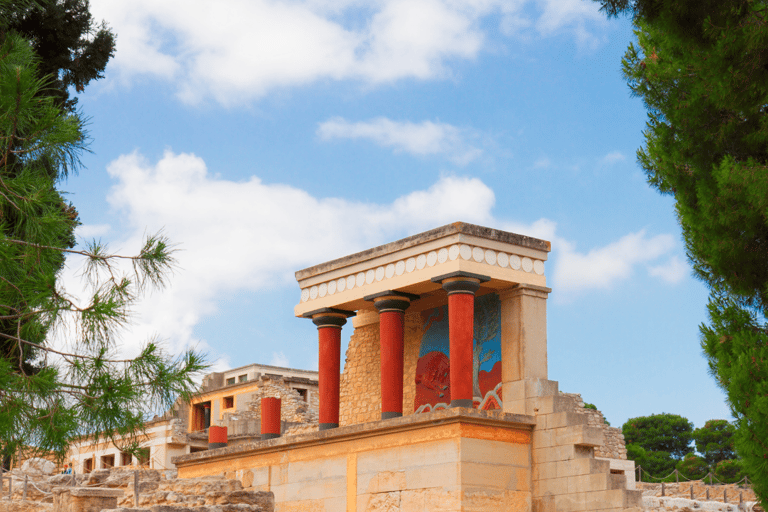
{"x": 72, "y": 47}
{"x": 664, "y": 432}
{"x": 693, "y": 467}
{"x": 60, "y": 375}
{"x": 701, "y": 68}
{"x": 715, "y": 441}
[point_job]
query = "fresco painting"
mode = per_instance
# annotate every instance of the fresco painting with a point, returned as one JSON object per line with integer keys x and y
{"x": 433, "y": 383}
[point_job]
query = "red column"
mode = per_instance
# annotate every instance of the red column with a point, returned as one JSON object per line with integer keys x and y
{"x": 461, "y": 288}
{"x": 461, "y": 315}
{"x": 217, "y": 437}
{"x": 270, "y": 417}
{"x": 391, "y": 306}
{"x": 329, "y": 322}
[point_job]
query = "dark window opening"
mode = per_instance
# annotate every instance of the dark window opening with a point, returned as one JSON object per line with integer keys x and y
{"x": 125, "y": 459}
{"x": 302, "y": 393}
{"x": 107, "y": 461}
{"x": 229, "y": 402}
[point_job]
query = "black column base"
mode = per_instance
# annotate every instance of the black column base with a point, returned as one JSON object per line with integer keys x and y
{"x": 328, "y": 426}
{"x": 212, "y": 446}
{"x": 269, "y": 436}
{"x": 462, "y": 402}
{"x": 391, "y": 414}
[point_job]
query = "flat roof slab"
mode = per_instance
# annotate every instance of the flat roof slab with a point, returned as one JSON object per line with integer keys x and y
{"x": 408, "y": 265}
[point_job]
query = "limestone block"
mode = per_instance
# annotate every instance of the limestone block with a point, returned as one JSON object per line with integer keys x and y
{"x": 618, "y": 498}
{"x": 434, "y": 475}
{"x": 495, "y": 452}
{"x": 482, "y": 500}
{"x": 514, "y": 406}
{"x": 308, "y": 490}
{"x": 38, "y": 466}
{"x": 543, "y": 439}
{"x": 437, "y": 452}
{"x": 560, "y": 453}
{"x": 583, "y": 435}
{"x": 582, "y": 466}
{"x": 547, "y": 405}
{"x": 380, "y": 502}
{"x": 387, "y": 481}
{"x": 540, "y": 387}
{"x": 514, "y": 390}
{"x": 564, "y": 419}
{"x": 314, "y": 470}
{"x": 545, "y": 470}
{"x": 544, "y": 504}
{"x": 553, "y": 487}
{"x": 591, "y": 483}
{"x": 493, "y": 476}
{"x": 571, "y": 502}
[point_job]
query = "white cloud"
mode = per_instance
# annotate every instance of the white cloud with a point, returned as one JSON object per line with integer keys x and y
{"x": 613, "y": 157}
{"x": 603, "y": 267}
{"x": 249, "y": 236}
{"x": 673, "y": 271}
{"x": 246, "y": 236}
{"x": 425, "y": 138}
{"x": 542, "y": 163}
{"x": 279, "y": 359}
{"x": 88, "y": 231}
{"x": 235, "y": 51}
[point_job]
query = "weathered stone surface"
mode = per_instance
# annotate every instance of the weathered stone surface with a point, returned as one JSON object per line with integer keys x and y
{"x": 24, "y": 506}
{"x": 38, "y": 466}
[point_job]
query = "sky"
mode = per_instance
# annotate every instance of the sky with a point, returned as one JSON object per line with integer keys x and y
{"x": 264, "y": 137}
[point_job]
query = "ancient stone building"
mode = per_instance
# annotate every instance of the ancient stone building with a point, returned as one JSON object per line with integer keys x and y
{"x": 230, "y": 398}
{"x": 444, "y": 402}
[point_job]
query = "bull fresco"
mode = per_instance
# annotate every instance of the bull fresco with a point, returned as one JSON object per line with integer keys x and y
{"x": 433, "y": 383}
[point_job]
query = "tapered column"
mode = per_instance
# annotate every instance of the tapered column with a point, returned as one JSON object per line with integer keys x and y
{"x": 461, "y": 288}
{"x": 329, "y": 322}
{"x": 391, "y": 306}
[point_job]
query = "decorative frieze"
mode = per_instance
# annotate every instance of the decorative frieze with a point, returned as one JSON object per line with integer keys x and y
{"x": 417, "y": 263}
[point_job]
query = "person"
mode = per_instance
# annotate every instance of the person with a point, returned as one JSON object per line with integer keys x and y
{"x": 67, "y": 470}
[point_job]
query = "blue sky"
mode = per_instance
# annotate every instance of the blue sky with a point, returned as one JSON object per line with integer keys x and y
{"x": 265, "y": 137}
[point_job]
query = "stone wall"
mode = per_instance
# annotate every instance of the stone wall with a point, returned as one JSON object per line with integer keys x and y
{"x": 360, "y": 394}
{"x": 614, "y": 446}
{"x": 297, "y": 414}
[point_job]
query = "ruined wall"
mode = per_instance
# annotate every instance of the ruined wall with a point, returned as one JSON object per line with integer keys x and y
{"x": 614, "y": 446}
{"x": 297, "y": 413}
{"x": 360, "y": 394}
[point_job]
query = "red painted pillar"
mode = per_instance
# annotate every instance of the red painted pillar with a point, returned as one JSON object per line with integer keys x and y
{"x": 391, "y": 306}
{"x": 329, "y": 322}
{"x": 461, "y": 288}
{"x": 217, "y": 437}
{"x": 270, "y": 417}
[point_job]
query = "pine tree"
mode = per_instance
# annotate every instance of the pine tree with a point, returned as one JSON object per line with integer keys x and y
{"x": 48, "y": 393}
{"x": 701, "y": 68}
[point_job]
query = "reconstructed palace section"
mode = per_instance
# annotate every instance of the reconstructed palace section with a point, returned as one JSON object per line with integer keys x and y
{"x": 444, "y": 402}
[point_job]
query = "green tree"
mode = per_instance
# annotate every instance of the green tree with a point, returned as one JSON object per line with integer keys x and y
{"x": 72, "y": 47}
{"x": 701, "y": 68}
{"x": 655, "y": 464}
{"x": 664, "y": 432}
{"x": 729, "y": 471}
{"x": 693, "y": 467}
{"x": 49, "y": 394}
{"x": 715, "y": 441}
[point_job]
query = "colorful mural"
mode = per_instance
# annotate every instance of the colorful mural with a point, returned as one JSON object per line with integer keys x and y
{"x": 433, "y": 383}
